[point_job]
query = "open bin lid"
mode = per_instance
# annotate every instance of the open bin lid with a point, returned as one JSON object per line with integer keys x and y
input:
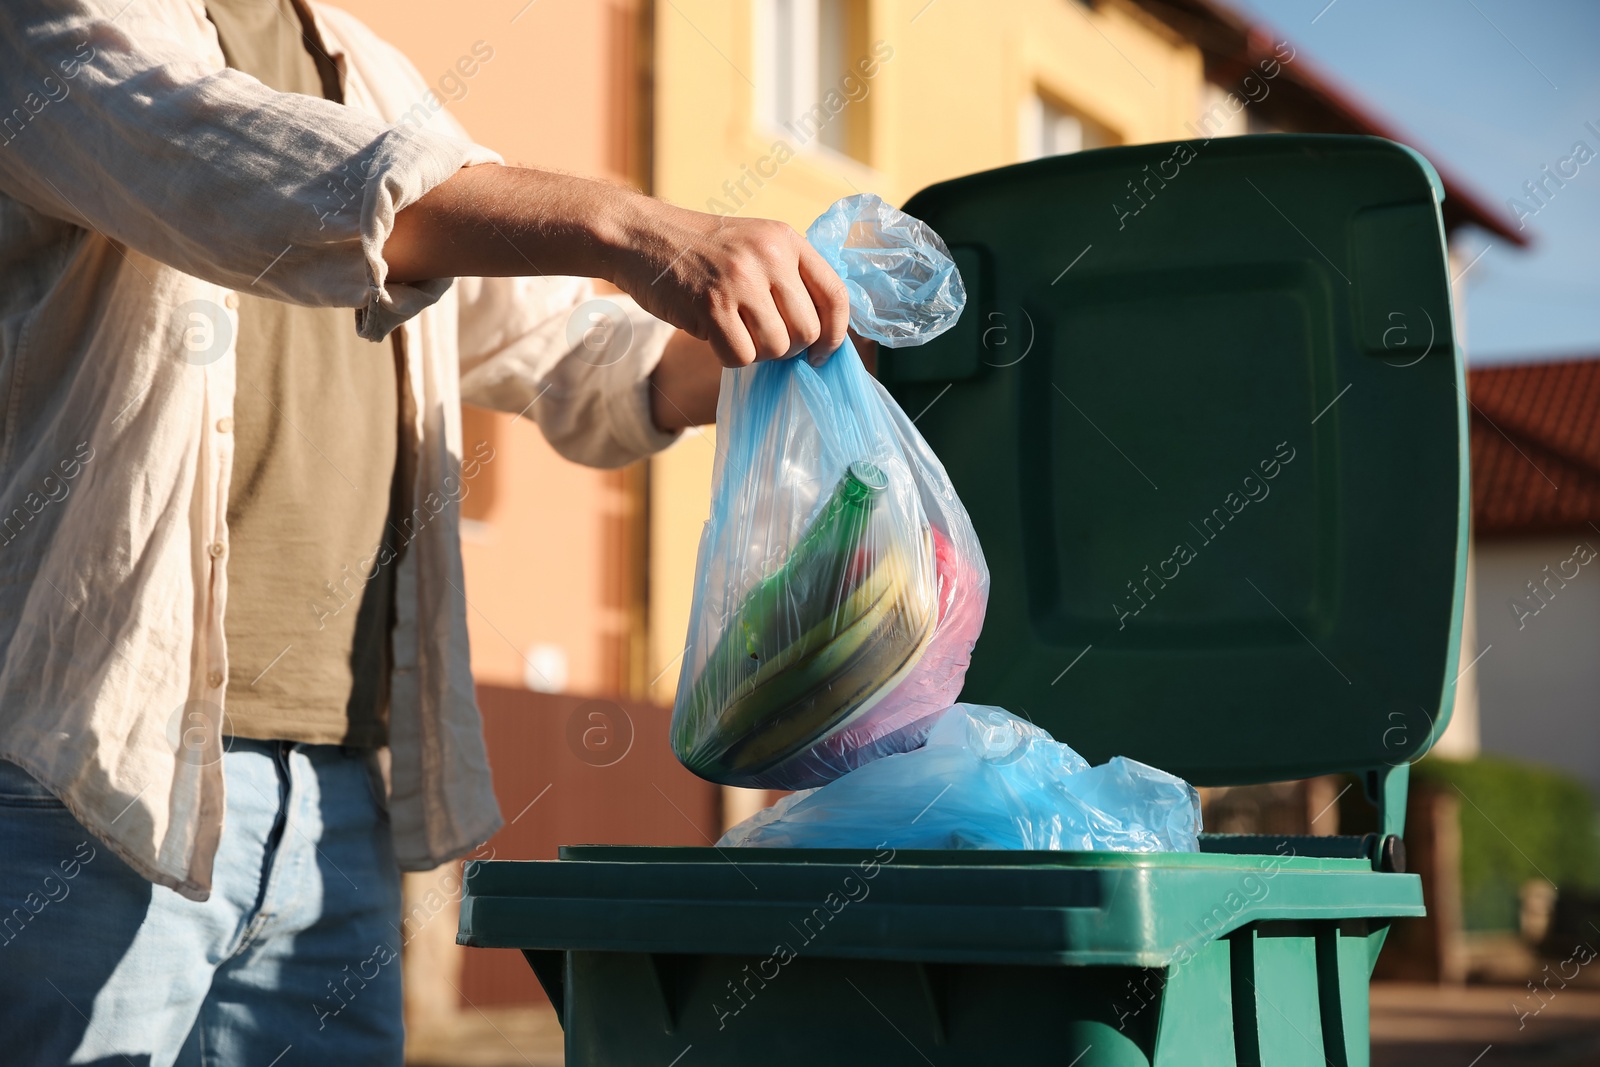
{"x": 1206, "y": 409}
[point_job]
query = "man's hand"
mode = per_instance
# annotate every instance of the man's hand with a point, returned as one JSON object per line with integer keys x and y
{"x": 751, "y": 288}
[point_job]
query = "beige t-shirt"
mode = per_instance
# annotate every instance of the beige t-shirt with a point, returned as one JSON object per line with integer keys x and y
{"x": 316, "y": 425}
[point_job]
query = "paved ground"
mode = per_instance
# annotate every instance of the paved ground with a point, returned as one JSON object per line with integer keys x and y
{"x": 491, "y": 1037}
{"x": 1412, "y": 1026}
{"x": 1479, "y": 1026}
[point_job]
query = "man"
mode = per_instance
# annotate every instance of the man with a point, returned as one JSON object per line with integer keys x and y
{"x": 199, "y": 855}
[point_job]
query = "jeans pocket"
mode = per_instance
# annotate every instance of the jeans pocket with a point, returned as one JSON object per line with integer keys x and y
{"x": 19, "y": 789}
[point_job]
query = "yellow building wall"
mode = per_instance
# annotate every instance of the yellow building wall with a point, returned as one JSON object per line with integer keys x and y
{"x": 948, "y": 100}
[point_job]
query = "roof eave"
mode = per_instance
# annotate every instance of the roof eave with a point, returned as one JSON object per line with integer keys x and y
{"x": 1232, "y": 46}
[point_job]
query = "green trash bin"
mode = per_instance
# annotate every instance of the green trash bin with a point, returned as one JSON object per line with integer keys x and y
{"x": 1205, "y": 408}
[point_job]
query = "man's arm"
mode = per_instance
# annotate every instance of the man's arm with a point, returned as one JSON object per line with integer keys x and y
{"x": 686, "y": 383}
{"x": 750, "y": 288}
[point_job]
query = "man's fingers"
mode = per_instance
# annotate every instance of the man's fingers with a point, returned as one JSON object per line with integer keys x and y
{"x": 730, "y": 339}
{"x": 799, "y": 314}
{"x": 768, "y": 331}
{"x": 831, "y": 300}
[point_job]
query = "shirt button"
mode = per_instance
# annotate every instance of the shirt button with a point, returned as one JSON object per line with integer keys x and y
{"x": 225, "y": 425}
{"x": 232, "y": 300}
{"x": 215, "y": 678}
{"x": 217, "y": 549}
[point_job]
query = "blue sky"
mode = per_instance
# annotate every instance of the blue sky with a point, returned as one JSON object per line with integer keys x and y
{"x": 1491, "y": 90}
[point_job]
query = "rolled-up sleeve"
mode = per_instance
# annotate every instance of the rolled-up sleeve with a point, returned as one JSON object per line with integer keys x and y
{"x": 119, "y": 126}
{"x": 577, "y": 363}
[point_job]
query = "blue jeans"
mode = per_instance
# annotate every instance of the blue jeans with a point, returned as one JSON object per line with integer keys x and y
{"x": 295, "y": 958}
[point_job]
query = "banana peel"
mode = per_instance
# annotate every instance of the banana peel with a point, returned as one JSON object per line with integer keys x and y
{"x": 860, "y": 620}
{"x": 823, "y": 687}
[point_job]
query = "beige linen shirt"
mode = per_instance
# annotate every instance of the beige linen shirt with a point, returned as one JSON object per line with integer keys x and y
{"x": 141, "y": 184}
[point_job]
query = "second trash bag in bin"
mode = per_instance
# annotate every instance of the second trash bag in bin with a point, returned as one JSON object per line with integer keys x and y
{"x": 839, "y": 587}
{"x": 987, "y": 780}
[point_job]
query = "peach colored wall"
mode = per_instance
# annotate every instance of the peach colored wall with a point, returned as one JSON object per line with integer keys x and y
{"x": 538, "y": 565}
{"x": 542, "y": 99}
{"x": 568, "y": 793}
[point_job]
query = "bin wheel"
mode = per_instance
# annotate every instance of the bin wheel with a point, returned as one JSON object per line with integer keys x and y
{"x": 1392, "y": 855}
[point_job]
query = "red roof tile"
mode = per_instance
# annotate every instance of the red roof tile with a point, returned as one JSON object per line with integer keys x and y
{"x": 1535, "y": 433}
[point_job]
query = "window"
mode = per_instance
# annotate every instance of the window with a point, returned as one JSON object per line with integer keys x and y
{"x": 1048, "y": 129}
{"x": 811, "y": 83}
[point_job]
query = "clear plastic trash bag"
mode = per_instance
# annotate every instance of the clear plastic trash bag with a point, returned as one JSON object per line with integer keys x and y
{"x": 986, "y": 779}
{"x": 839, "y": 587}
